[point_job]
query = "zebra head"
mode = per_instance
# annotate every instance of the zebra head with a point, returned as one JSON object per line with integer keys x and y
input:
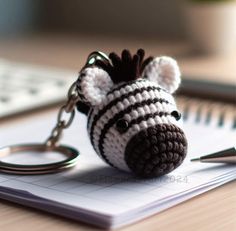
{"x": 133, "y": 121}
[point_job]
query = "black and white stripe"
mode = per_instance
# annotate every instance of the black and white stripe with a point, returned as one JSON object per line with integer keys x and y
{"x": 116, "y": 96}
{"x": 141, "y": 103}
{"x": 128, "y": 99}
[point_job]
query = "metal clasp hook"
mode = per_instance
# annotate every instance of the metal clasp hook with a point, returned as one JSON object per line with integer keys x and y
{"x": 94, "y": 56}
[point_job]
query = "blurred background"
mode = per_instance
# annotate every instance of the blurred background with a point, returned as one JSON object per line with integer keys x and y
{"x": 200, "y": 33}
{"x": 150, "y": 17}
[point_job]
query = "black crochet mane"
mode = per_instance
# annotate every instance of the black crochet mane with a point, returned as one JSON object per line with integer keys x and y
{"x": 126, "y": 67}
{"x": 121, "y": 69}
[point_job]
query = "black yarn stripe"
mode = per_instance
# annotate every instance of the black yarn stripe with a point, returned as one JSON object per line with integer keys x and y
{"x": 115, "y": 101}
{"x": 119, "y": 115}
{"x": 78, "y": 87}
{"x": 107, "y": 107}
{"x": 124, "y": 85}
{"x": 146, "y": 117}
{"x": 89, "y": 116}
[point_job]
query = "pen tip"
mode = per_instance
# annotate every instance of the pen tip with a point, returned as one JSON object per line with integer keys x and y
{"x": 195, "y": 160}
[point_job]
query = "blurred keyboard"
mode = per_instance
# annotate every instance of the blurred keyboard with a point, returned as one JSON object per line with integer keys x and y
{"x": 26, "y": 87}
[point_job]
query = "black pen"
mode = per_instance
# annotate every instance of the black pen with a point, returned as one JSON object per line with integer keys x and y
{"x": 225, "y": 156}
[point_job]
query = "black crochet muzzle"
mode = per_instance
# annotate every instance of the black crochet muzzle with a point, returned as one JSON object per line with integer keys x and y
{"x": 156, "y": 150}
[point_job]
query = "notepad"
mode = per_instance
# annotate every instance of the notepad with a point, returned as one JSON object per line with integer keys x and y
{"x": 101, "y": 195}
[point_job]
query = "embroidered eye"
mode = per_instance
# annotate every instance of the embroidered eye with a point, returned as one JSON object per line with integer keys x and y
{"x": 122, "y": 125}
{"x": 176, "y": 114}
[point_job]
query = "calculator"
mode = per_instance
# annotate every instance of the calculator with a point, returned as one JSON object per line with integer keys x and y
{"x": 25, "y": 87}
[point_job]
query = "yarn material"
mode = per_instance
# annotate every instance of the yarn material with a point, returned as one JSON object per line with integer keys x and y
{"x": 126, "y": 67}
{"x": 164, "y": 71}
{"x": 156, "y": 151}
{"x": 82, "y": 107}
{"x": 140, "y": 106}
{"x": 94, "y": 85}
{"x": 129, "y": 96}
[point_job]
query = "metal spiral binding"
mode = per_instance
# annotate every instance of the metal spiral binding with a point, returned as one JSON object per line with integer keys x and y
{"x": 207, "y": 111}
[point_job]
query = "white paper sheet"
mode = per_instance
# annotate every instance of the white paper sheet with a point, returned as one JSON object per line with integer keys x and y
{"x": 96, "y": 193}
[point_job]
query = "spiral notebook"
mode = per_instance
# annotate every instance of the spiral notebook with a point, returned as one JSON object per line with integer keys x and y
{"x": 98, "y": 194}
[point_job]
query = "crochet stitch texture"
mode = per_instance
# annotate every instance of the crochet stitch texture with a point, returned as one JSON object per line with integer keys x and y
{"x": 133, "y": 122}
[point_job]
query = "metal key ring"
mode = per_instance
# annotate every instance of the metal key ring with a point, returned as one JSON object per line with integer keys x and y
{"x": 22, "y": 169}
{"x": 52, "y": 142}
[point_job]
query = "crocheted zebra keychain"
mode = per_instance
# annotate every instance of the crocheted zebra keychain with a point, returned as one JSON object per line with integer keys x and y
{"x": 133, "y": 122}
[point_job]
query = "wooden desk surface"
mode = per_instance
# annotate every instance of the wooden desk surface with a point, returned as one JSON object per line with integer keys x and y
{"x": 214, "y": 210}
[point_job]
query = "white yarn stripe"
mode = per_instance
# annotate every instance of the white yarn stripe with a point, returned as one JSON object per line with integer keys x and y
{"x": 131, "y": 100}
{"x": 114, "y": 144}
{"x": 125, "y": 90}
{"x": 161, "y": 107}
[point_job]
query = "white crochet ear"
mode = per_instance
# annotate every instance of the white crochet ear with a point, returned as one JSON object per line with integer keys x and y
{"x": 165, "y": 72}
{"x": 94, "y": 85}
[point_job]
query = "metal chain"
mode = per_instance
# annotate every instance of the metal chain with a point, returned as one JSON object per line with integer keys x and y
{"x": 62, "y": 123}
{"x": 69, "y": 106}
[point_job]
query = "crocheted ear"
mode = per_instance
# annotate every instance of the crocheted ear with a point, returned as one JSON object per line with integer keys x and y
{"x": 165, "y": 72}
{"x": 93, "y": 85}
